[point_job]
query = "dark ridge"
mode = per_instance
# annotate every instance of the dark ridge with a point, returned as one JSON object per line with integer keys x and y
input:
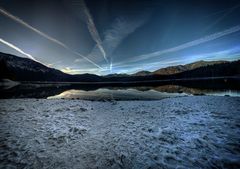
{"x": 27, "y": 70}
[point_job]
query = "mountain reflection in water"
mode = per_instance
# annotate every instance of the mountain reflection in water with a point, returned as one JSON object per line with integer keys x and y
{"x": 140, "y": 93}
{"x": 67, "y": 91}
{"x": 115, "y": 94}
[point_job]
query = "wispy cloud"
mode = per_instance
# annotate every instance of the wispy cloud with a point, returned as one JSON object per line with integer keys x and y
{"x": 92, "y": 29}
{"x": 73, "y": 71}
{"x": 227, "y": 54}
{"x": 149, "y": 66}
{"x": 20, "y": 21}
{"x": 224, "y": 16}
{"x": 69, "y": 70}
{"x": 110, "y": 67}
{"x": 18, "y": 49}
{"x": 118, "y": 31}
{"x": 54, "y": 63}
{"x": 185, "y": 45}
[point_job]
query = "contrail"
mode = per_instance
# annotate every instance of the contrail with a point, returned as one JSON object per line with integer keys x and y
{"x": 187, "y": 45}
{"x": 111, "y": 66}
{"x": 229, "y": 11}
{"x": 116, "y": 33}
{"x": 93, "y": 30}
{"x": 18, "y": 49}
{"x": 18, "y": 20}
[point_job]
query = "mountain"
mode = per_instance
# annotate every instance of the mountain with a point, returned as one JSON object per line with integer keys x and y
{"x": 201, "y": 69}
{"x": 24, "y": 69}
{"x": 116, "y": 75}
{"x": 142, "y": 73}
{"x": 179, "y": 68}
{"x": 223, "y": 69}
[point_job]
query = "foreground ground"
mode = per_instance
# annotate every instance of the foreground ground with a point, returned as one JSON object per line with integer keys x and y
{"x": 185, "y": 132}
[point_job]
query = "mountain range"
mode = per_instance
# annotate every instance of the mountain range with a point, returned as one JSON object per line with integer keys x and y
{"x": 179, "y": 68}
{"x": 24, "y": 69}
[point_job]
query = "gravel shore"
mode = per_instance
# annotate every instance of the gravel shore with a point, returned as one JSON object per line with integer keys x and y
{"x": 183, "y": 132}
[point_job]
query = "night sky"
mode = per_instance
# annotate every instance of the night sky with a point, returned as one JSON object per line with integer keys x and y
{"x": 120, "y": 36}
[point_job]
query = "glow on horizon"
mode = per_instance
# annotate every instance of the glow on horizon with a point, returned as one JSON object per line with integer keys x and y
{"x": 228, "y": 55}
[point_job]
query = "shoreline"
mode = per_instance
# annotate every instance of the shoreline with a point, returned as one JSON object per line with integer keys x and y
{"x": 185, "y": 132}
{"x": 116, "y": 100}
{"x": 138, "y": 83}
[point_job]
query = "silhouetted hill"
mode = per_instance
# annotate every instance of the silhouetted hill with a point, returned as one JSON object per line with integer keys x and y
{"x": 24, "y": 69}
{"x": 222, "y": 69}
{"x": 116, "y": 75}
{"x": 215, "y": 70}
{"x": 179, "y": 68}
{"x": 142, "y": 73}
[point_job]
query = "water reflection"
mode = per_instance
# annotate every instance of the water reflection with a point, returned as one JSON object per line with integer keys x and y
{"x": 94, "y": 92}
{"x": 143, "y": 93}
{"x": 115, "y": 94}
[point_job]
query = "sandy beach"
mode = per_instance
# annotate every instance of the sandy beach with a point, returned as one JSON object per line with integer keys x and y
{"x": 182, "y": 132}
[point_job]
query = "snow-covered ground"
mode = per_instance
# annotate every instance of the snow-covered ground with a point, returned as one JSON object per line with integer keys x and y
{"x": 183, "y": 132}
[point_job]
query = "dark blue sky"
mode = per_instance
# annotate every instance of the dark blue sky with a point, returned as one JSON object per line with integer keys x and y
{"x": 118, "y": 36}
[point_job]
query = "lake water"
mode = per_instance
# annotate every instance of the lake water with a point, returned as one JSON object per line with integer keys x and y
{"x": 66, "y": 91}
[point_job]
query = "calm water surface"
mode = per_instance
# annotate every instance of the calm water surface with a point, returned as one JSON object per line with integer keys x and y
{"x": 60, "y": 91}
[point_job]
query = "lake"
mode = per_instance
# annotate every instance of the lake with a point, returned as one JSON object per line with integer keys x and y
{"x": 69, "y": 91}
